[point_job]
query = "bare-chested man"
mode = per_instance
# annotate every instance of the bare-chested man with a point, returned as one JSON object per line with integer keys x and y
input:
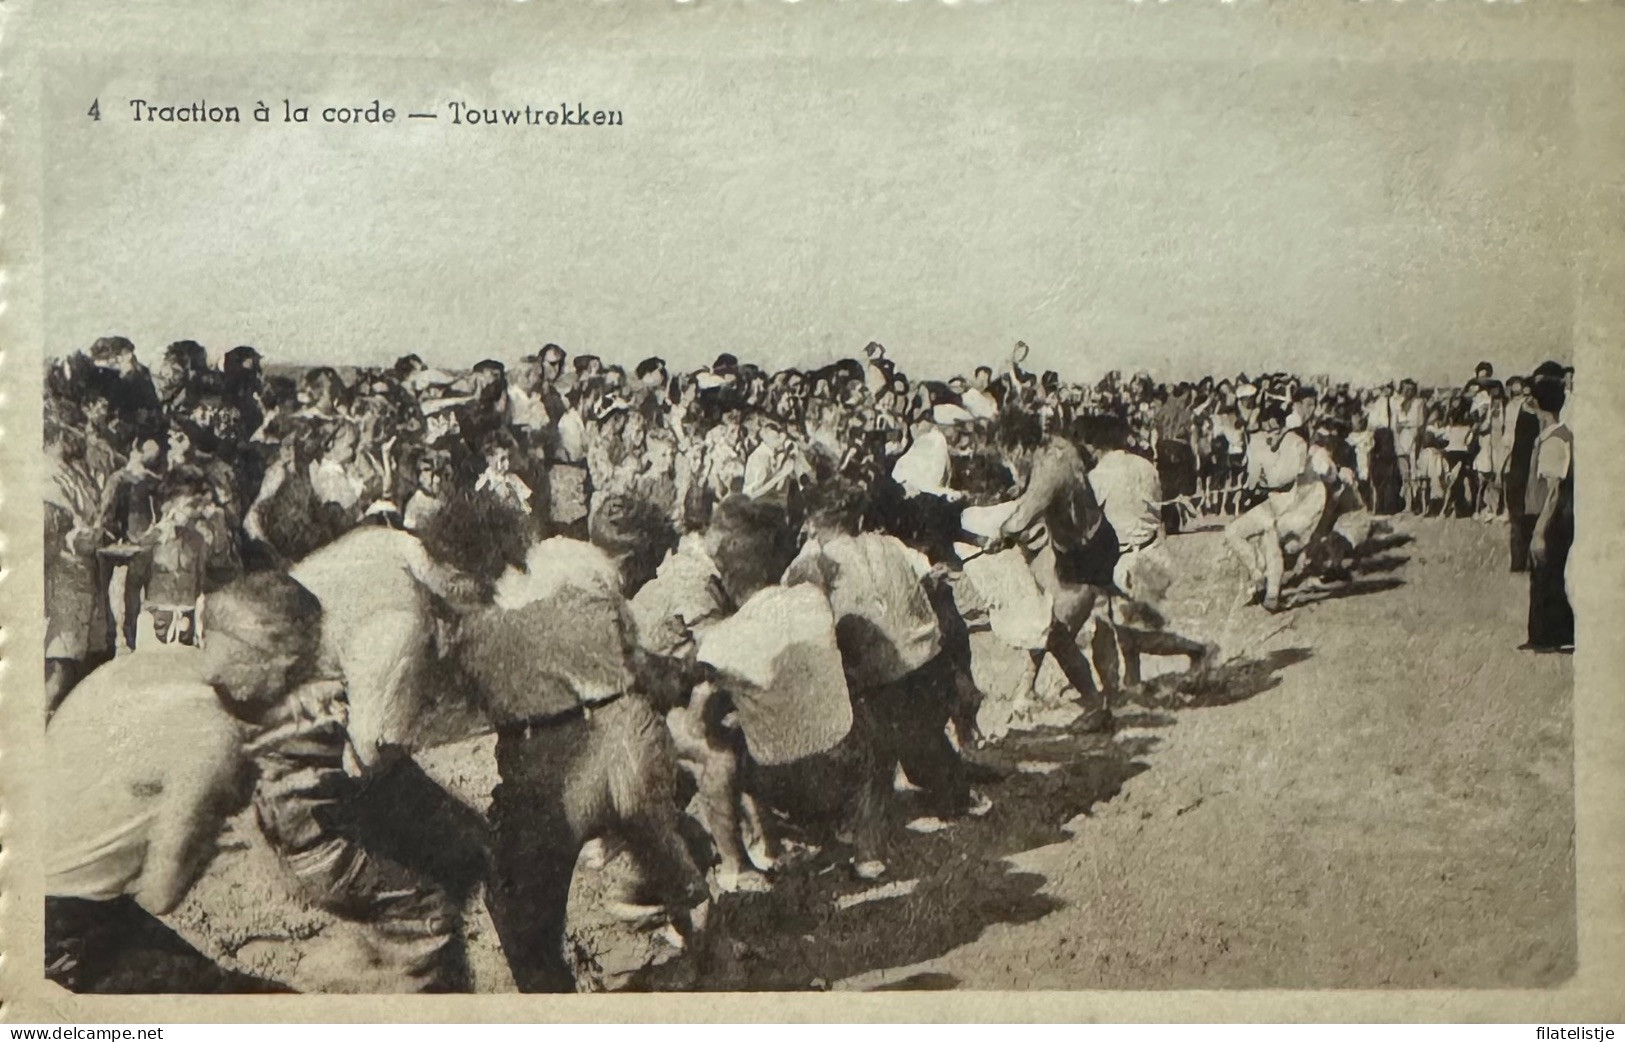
{"x": 1070, "y": 548}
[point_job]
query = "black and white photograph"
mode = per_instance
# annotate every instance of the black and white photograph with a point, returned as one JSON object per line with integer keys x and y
{"x": 733, "y": 497}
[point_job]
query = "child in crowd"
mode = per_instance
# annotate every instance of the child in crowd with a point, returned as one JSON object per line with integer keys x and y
{"x": 180, "y": 553}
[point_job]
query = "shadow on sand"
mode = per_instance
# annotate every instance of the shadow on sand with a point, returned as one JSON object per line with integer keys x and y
{"x": 1302, "y": 598}
{"x": 118, "y": 948}
{"x": 942, "y": 890}
{"x": 1222, "y": 685}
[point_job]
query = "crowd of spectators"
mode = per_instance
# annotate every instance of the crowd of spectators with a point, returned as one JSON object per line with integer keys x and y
{"x": 172, "y": 481}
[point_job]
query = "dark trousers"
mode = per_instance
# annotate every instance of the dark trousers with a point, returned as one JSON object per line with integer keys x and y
{"x": 1387, "y": 490}
{"x": 910, "y": 720}
{"x": 137, "y": 574}
{"x": 397, "y": 855}
{"x": 1551, "y": 618}
{"x": 903, "y": 724}
{"x": 612, "y": 773}
{"x": 1522, "y": 528}
{"x": 849, "y": 788}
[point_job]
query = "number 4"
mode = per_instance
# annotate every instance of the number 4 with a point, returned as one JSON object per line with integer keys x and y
{"x": 95, "y": 112}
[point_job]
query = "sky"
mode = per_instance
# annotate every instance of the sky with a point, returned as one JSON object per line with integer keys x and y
{"x": 1112, "y": 207}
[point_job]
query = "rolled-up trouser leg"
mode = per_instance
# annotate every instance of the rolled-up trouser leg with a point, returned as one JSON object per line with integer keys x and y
{"x": 414, "y": 925}
{"x": 312, "y": 818}
{"x": 1107, "y": 656}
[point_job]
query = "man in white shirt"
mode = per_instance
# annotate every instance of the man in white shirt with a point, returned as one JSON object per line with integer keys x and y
{"x": 376, "y": 585}
{"x": 526, "y": 408}
{"x": 1380, "y": 411}
{"x": 1550, "y": 500}
{"x": 1410, "y": 420}
{"x": 978, "y": 399}
{"x": 1279, "y": 465}
{"x": 582, "y": 747}
{"x": 696, "y": 589}
{"x": 927, "y": 465}
{"x": 1130, "y": 494}
{"x": 901, "y": 683}
{"x": 772, "y": 465}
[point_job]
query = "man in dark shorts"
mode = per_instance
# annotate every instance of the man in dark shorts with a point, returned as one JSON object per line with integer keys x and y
{"x": 1070, "y": 548}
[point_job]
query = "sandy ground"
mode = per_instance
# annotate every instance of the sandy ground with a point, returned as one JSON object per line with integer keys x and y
{"x": 1375, "y": 791}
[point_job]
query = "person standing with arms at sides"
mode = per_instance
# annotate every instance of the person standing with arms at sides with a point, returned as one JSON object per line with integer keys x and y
{"x": 1551, "y": 503}
{"x": 1361, "y": 439}
{"x": 128, "y": 508}
{"x": 1524, "y": 424}
{"x": 527, "y": 412}
{"x": 1409, "y": 420}
{"x": 1387, "y": 488}
{"x": 180, "y": 552}
{"x": 1490, "y": 415}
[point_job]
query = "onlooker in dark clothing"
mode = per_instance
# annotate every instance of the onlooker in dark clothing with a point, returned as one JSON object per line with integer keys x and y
{"x": 126, "y": 385}
{"x": 1550, "y": 502}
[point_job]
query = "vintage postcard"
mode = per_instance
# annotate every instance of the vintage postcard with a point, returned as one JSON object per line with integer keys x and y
{"x": 1096, "y": 510}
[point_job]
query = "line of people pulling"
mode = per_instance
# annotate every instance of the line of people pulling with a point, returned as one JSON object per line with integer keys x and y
{"x": 774, "y": 678}
{"x": 1311, "y": 513}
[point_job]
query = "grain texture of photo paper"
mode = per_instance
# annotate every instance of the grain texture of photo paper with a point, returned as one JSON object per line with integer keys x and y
{"x": 748, "y": 511}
